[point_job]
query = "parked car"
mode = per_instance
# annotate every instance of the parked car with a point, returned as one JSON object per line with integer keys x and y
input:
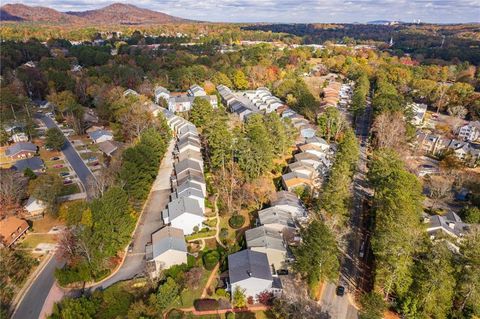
{"x": 130, "y": 247}
{"x": 55, "y": 158}
{"x": 282, "y": 272}
{"x": 340, "y": 291}
{"x": 67, "y": 182}
{"x": 64, "y": 174}
{"x": 58, "y": 166}
{"x": 361, "y": 254}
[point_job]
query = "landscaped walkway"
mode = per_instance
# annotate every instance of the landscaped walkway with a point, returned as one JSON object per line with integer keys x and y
{"x": 217, "y": 230}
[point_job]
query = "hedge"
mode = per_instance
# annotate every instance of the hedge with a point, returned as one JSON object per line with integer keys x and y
{"x": 236, "y": 221}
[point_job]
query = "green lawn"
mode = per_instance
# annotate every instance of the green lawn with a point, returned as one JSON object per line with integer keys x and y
{"x": 186, "y": 298}
{"x": 32, "y": 240}
{"x": 70, "y": 189}
{"x": 201, "y": 235}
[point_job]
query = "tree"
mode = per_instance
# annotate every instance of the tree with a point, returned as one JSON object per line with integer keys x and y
{"x": 166, "y": 294}
{"x": 389, "y": 129}
{"x": 317, "y": 257}
{"x": 75, "y": 308}
{"x": 468, "y": 277}
{"x": 12, "y": 188}
{"x": 471, "y": 214}
{"x": 331, "y": 123}
{"x": 239, "y": 299}
{"x": 398, "y": 207}
{"x": 193, "y": 276}
{"x": 201, "y": 112}
{"x": 439, "y": 187}
{"x": 255, "y": 149}
{"x": 4, "y": 137}
{"x": 432, "y": 291}
{"x": 372, "y": 306}
{"x": 47, "y": 188}
{"x": 54, "y": 139}
{"x": 240, "y": 80}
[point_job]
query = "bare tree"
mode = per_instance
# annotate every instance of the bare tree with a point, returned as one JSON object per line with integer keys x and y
{"x": 135, "y": 119}
{"x": 439, "y": 187}
{"x": 12, "y": 188}
{"x": 389, "y": 129}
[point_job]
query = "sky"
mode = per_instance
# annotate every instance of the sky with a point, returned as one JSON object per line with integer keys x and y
{"x": 290, "y": 11}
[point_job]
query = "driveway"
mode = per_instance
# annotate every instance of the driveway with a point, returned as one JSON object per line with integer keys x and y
{"x": 150, "y": 221}
{"x": 31, "y": 304}
{"x": 76, "y": 162}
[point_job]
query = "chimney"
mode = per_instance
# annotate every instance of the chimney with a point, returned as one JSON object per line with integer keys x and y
{"x": 249, "y": 273}
{"x": 451, "y": 225}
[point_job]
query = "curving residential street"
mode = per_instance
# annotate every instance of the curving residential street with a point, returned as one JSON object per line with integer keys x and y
{"x": 76, "y": 162}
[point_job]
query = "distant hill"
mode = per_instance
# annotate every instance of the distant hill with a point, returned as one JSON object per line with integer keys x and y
{"x": 21, "y": 12}
{"x": 384, "y": 22}
{"x": 116, "y": 13}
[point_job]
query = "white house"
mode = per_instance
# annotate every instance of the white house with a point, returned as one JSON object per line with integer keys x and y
{"x": 190, "y": 190}
{"x": 450, "y": 224}
{"x": 288, "y": 201}
{"x": 249, "y": 271}
{"x": 196, "y": 90}
{"x": 319, "y": 142}
{"x": 469, "y": 132}
{"x": 161, "y": 93}
{"x": 100, "y": 136}
{"x": 308, "y": 158}
{"x": 168, "y": 248}
{"x": 184, "y": 213}
{"x": 418, "y": 111}
{"x": 277, "y": 219}
{"x": 35, "y": 207}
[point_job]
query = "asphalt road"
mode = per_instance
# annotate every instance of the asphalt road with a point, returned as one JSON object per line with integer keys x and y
{"x": 150, "y": 222}
{"x": 352, "y": 267}
{"x": 32, "y": 303}
{"x": 76, "y": 162}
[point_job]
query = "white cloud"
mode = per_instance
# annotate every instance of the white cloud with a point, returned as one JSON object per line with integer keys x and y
{"x": 439, "y": 11}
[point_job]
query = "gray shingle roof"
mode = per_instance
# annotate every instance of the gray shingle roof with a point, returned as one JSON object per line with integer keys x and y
{"x": 187, "y": 164}
{"x": 20, "y": 147}
{"x": 449, "y": 222}
{"x": 248, "y": 264}
{"x": 275, "y": 215}
{"x": 168, "y": 238}
{"x": 286, "y": 198}
{"x": 183, "y": 205}
{"x": 34, "y": 163}
{"x": 264, "y": 237}
{"x": 97, "y": 134}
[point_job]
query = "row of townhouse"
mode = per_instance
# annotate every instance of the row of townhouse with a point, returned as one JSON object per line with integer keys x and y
{"x": 436, "y": 145}
{"x": 337, "y": 94}
{"x": 185, "y": 213}
{"x": 256, "y": 268}
{"x": 312, "y": 161}
{"x": 245, "y": 103}
{"x": 182, "y": 102}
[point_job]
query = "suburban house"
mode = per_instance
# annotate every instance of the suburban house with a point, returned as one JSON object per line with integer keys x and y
{"x": 469, "y": 132}
{"x": 168, "y": 248}
{"x": 196, "y": 90}
{"x": 35, "y": 164}
{"x": 183, "y": 102}
{"x": 263, "y": 99}
{"x": 100, "y": 136}
{"x": 288, "y": 201}
{"x": 418, "y": 111}
{"x": 268, "y": 241}
{"x": 318, "y": 142}
{"x": 11, "y": 229}
{"x": 303, "y": 168}
{"x": 308, "y": 158}
{"x": 161, "y": 93}
{"x": 19, "y": 137}
{"x": 191, "y": 155}
{"x": 188, "y": 143}
{"x": 187, "y": 166}
{"x": 277, "y": 219}
{"x": 313, "y": 149}
{"x": 108, "y": 147}
{"x": 21, "y": 150}
{"x": 192, "y": 177}
{"x": 307, "y": 131}
{"x": 190, "y": 190}
{"x": 35, "y": 207}
{"x": 184, "y": 213}
{"x": 294, "y": 180}
{"x": 450, "y": 224}
{"x": 250, "y": 271}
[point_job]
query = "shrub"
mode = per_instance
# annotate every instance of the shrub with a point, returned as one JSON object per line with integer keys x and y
{"x": 175, "y": 314}
{"x": 205, "y": 304}
{"x": 221, "y": 292}
{"x": 191, "y": 261}
{"x": 69, "y": 275}
{"x": 223, "y": 233}
{"x": 236, "y": 221}
{"x": 230, "y": 315}
{"x": 210, "y": 259}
